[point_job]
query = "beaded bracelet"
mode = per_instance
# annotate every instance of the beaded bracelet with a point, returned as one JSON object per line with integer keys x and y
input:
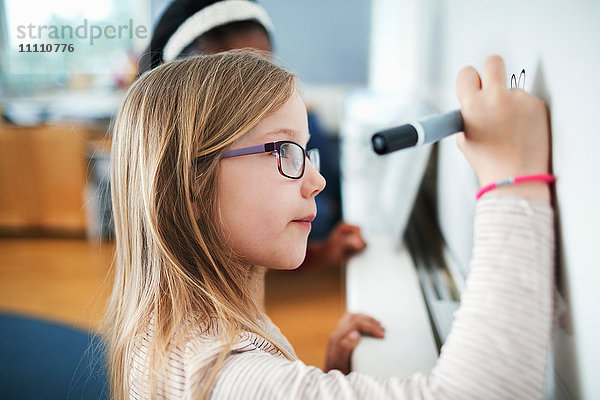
{"x": 511, "y": 180}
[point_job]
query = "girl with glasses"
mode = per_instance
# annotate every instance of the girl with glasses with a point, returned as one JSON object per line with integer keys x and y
{"x": 212, "y": 182}
{"x": 197, "y": 27}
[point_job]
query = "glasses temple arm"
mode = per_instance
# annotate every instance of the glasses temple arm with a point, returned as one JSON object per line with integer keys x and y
{"x": 261, "y": 148}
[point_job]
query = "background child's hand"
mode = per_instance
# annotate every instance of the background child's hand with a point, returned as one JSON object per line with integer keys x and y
{"x": 347, "y": 336}
{"x": 506, "y": 130}
{"x": 343, "y": 241}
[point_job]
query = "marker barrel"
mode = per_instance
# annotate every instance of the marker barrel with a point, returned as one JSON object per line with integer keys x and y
{"x": 428, "y": 130}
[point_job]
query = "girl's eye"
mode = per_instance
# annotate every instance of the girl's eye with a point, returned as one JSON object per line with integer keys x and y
{"x": 283, "y": 152}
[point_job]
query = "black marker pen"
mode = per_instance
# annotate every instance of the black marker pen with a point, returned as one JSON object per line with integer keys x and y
{"x": 427, "y": 130}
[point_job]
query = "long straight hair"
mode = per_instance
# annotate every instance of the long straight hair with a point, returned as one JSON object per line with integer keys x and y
{"x": 171, "y": 260}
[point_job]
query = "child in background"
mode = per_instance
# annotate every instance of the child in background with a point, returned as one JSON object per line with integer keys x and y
{"x": 212, "y": 183}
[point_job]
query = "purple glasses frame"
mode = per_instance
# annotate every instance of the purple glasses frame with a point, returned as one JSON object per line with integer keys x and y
{"x": 275, "y": 147}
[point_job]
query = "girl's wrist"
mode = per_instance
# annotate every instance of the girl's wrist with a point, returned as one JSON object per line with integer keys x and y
{"x": 534, "y": 190}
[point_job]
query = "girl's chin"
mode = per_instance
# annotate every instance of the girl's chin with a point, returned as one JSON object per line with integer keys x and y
{"x": 289, "y": 265}
{"x": 285, "y": 268}
{"x": 288, "y": 255}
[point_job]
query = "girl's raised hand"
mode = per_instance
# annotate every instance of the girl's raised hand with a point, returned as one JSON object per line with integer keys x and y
{"x": 347, "y": 336}
{"x": 506, "y": 130}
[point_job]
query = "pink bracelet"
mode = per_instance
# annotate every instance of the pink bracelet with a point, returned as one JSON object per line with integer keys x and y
{"x": 519, "y": 179}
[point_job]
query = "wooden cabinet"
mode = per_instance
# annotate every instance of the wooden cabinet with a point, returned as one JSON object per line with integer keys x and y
{"x": 42, "y": 179}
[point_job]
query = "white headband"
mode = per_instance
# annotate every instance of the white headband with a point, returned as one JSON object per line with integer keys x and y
{"x": 210, "y": 17}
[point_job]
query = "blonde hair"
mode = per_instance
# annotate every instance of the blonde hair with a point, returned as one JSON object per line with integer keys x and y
{"x": 171, "y": 260}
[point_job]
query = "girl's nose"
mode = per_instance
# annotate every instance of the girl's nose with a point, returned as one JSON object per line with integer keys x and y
{"x": 312, "y": 181}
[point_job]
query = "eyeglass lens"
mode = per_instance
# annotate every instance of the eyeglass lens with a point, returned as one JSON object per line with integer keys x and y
{"x": 315, "y": 158}
{"x": 292, "y": 158}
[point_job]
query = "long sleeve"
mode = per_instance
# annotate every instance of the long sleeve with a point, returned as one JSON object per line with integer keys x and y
{"x": 498, "y": 343}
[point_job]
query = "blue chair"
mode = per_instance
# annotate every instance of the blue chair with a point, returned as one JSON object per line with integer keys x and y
{"x": 44, "y": 360}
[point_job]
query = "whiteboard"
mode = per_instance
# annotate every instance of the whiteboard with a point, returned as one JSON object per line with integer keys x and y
{"x": 558, "y": 44}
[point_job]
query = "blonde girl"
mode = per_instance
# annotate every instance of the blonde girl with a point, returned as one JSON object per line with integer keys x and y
{"x": 212, "y": 184}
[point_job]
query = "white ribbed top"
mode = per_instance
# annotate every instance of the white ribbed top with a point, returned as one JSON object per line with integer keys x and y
{"x": 496, "y": 349}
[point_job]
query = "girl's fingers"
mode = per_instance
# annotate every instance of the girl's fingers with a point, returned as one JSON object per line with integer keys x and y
{"x": 373, "y": 328}
{"x": 468, "y": 84}
{"x": 340, "y": 351}
{"x": 360, "y": 322}
{"x": 494, "y": 73}
{"x": 350, "y": 341}
{"x": 461, "y": 140}
{"x": 347, "y": 336}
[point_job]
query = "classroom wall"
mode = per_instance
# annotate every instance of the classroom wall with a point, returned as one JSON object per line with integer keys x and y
{"x": 324, "y": 41}
{"x": 557, "y": 42}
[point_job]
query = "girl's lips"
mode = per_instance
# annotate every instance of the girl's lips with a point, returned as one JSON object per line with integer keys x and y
{"x": 302, "y": 223}
{"x": 308, "y": 218}
{"x": 305, "y": 222}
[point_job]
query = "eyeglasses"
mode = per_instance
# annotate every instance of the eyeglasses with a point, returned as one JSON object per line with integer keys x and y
{"x": 291, "y": 157}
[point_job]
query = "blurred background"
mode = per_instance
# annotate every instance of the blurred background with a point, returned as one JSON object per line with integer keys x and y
{"x": 363, "y": 65}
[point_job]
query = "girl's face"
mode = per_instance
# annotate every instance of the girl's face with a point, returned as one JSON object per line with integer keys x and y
{"x": 264, "y": 214}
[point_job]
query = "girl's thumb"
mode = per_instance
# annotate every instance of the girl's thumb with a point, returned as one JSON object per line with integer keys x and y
{"x": 354, "y": 336}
